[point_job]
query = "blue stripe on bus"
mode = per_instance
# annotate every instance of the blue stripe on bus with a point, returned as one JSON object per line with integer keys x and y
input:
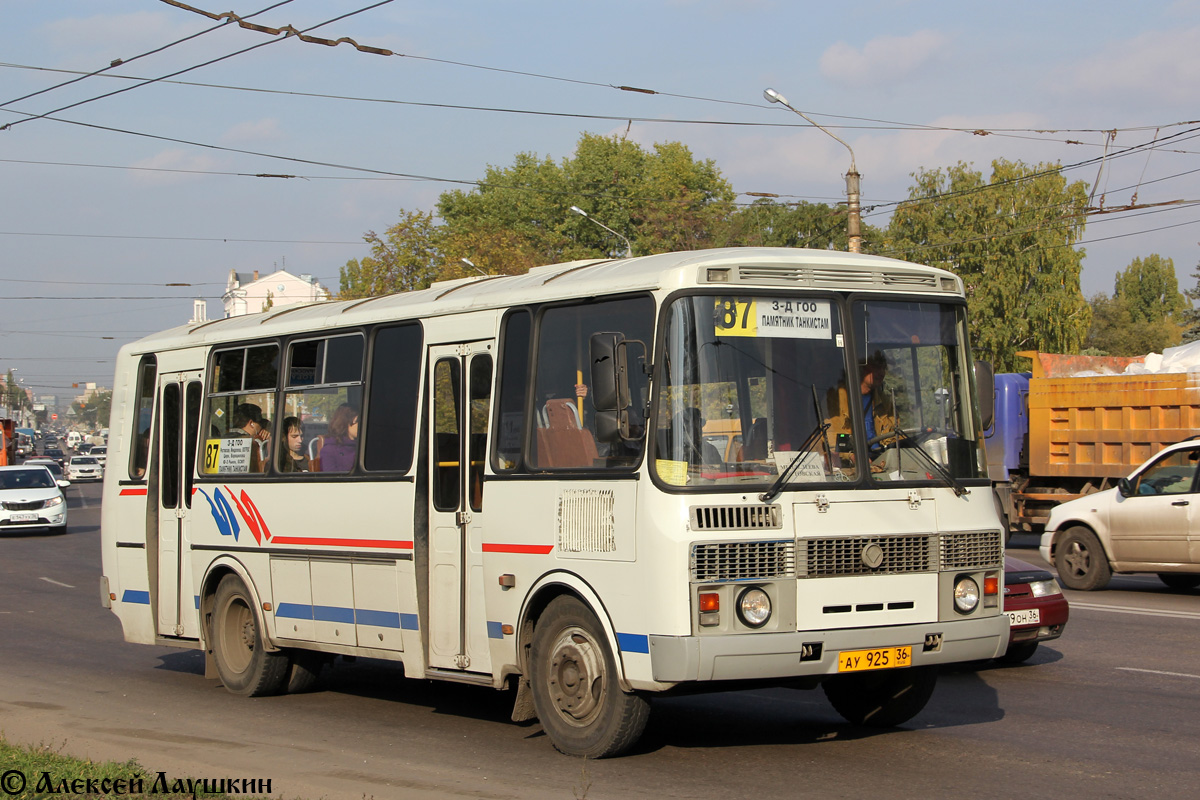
{"x": 379, "y": 619}
{"x": 293, "y": 611}
{"x": 495, "y": 630}
{"x": 333, "y": 614}
{"x": 135, "y": 596}
{"x": 197, "y": 602}
{"x": 360, "y": 616}
{"x": 633, "y": 642}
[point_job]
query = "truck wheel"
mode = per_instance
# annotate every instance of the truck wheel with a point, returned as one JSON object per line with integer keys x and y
{"x": 1080, "y": 560}
{"x": 242, "y": 664}
{"x": 881, "y": 699}
{"x": 1179, "y": 580}
{"x": 573, "y": 676}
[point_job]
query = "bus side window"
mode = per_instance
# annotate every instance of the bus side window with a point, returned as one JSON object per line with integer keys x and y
{"x": 140, "y": 451}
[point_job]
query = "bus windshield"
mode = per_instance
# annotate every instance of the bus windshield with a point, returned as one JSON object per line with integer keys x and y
{"x": 753, "y": 385}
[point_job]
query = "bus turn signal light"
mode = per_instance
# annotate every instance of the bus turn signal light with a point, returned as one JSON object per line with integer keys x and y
{"x": 710, "y": 601}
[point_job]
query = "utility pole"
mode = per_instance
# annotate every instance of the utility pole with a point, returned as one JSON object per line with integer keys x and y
{"x": 853, "y": 212}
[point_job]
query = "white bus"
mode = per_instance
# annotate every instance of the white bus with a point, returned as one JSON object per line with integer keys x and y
{"x": 503, "y": 481}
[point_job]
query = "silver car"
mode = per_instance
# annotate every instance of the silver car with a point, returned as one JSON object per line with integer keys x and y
{"x": 84, "y": 468}
{"x": 30, "y": 497}
{"x": 1149, "y": 523}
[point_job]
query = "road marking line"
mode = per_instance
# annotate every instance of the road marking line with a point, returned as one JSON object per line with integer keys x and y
{"x": 58, "y": 583}
{"x": 1159, "y": 672}
{"x": 1149, "y": 612}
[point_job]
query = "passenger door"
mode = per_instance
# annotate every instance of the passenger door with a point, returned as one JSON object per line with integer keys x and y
{"x": 1153, "y": 524}
{"x": 460, "y": 381}
{"x": 180, "y": 397}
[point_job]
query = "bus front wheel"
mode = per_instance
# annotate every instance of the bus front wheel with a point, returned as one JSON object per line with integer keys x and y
{"x": 881, "y": 699}
{"x": 573, "y": 676}
{"x": 243, "y": 665}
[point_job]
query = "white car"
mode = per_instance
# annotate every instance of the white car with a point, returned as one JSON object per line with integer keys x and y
{"x": 1149, "y": 523}
{"x": 84, "y": 468}
{"x": 100, "y": 453}
{"x": 30, "y": 497}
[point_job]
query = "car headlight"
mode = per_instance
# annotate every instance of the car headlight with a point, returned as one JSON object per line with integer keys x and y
{"x": 754, "y": 607}
{"x": 53, "y": 501}
{"x": 1044, "y": 588}
{"x": 966, "y": 595}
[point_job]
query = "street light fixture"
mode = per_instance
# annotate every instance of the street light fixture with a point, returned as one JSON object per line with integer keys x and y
{"x": 628, "y": 245}
{"x": 853, "y": 218}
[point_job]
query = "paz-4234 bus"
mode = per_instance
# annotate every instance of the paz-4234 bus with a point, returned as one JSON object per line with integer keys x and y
{"x": 504, "y": 481}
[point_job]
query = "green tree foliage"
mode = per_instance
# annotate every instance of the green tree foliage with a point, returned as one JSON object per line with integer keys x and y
{"x": 1150, "y": 289}
{"x": 94, "y": 412}
{"x": 405, "y": 257}
{"x": 1145, "y": 312}
{"x": 765, "y": 223}
{"x": 1010, "y": 239}
{"x": 1189, "y": 318}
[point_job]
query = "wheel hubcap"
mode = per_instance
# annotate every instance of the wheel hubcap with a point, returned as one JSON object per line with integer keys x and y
{"x": 576, "y": 679}
{"x": 238, "y": 637}
{"x": 1077, "y": 558}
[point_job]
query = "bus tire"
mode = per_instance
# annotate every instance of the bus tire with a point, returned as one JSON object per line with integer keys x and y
{"x": 1081, "y": 561}
{"x": 242, "y": 664}
{"x": 881, "y": 699}
{"x": 573, "y": 676}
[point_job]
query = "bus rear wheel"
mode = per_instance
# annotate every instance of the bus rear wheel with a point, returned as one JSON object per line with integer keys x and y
{"x": 881, "y": 699}
{"x": 243, "y": 665}
{"x": 573, "y": 676}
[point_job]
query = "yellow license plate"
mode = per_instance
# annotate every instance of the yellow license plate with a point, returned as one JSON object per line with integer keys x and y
{"x": 878, "y": 658}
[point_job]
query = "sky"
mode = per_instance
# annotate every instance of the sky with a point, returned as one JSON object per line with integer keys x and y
{"x": 105, "y": 204}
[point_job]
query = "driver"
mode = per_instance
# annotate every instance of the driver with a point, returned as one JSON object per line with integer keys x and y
{"x": 878, "y": 415}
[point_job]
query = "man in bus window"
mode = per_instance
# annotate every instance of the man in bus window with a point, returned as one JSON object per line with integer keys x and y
{"x": 878, "y": 416}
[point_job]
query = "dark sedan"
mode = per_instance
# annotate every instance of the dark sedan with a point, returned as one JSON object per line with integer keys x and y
{"x": 1037, "y": 611}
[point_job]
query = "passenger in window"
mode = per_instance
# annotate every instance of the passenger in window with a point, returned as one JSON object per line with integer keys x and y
{"x": 292, "y": 457}
{"x": 247, "y": 420}
{"x": 341, "y": 445}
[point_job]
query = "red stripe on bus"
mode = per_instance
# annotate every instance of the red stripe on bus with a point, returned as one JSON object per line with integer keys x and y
{"x": 342, "y": 542}
{"x": 536, "y": 549}
{"x": 133, "y": 492}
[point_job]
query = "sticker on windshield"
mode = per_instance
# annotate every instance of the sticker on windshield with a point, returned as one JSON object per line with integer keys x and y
{"x": 811, "y": 467}
{"x": 773, "y": 317}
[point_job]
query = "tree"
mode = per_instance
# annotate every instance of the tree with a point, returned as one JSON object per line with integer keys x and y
{"x": 1189, "y": 318}
{"x": 765, "y": 223}
{"x": 1150, "y": 289}
{"x": 406, "y": 257}
{"x": 1145, "y": 312}
{"x": 1011, "y": 239}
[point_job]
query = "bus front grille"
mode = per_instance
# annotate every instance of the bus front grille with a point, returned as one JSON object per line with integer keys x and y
{"x": 855, "y": 555}
{"x": 971, "y": 550}
{"x": 743, "y": 561}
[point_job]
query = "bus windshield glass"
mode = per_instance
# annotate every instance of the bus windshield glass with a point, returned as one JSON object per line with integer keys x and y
{"x": 753, "y": 385}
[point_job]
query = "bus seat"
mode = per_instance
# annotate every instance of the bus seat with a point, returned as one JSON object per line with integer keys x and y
{"x": 314, "y": 453}
{"x": 564, "y": 442}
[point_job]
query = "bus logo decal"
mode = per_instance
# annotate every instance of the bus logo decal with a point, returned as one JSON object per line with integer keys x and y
{"x": 223, "y": 514}
{"x": 250, "y": 515}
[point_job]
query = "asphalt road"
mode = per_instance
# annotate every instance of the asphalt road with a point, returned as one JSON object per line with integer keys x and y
{"x": 1110, "y": 710}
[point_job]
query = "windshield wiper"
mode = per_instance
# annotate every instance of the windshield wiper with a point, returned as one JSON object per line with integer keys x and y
{"x": 943, "y": 473}
{"x": 817, "y": 434}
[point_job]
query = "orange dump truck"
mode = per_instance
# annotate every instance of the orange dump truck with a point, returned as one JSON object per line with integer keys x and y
{"x": 8, "y": 442}
{"x": 1056, "y": 436}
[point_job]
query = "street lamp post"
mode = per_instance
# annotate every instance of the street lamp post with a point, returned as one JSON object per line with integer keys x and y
{"x": 853, "y": 213}
{"x": 628, "y": 245}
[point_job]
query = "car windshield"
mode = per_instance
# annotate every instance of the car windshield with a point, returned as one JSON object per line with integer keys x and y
{"x": 75, "y": 462}
{"x": 754, "y": 385}
{"x": 37, "y": 478}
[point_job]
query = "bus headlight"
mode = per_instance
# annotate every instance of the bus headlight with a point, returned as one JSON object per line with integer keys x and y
{"x": 754, "y": 607}
{"x": 966, "y": 595}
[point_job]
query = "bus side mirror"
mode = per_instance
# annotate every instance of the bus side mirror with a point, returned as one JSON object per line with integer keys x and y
{"x": 985, "y": 382}
{"x": 610, "y": 386}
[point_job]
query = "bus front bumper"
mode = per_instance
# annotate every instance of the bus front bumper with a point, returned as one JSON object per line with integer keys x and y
{"x": 756, "y": 656}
